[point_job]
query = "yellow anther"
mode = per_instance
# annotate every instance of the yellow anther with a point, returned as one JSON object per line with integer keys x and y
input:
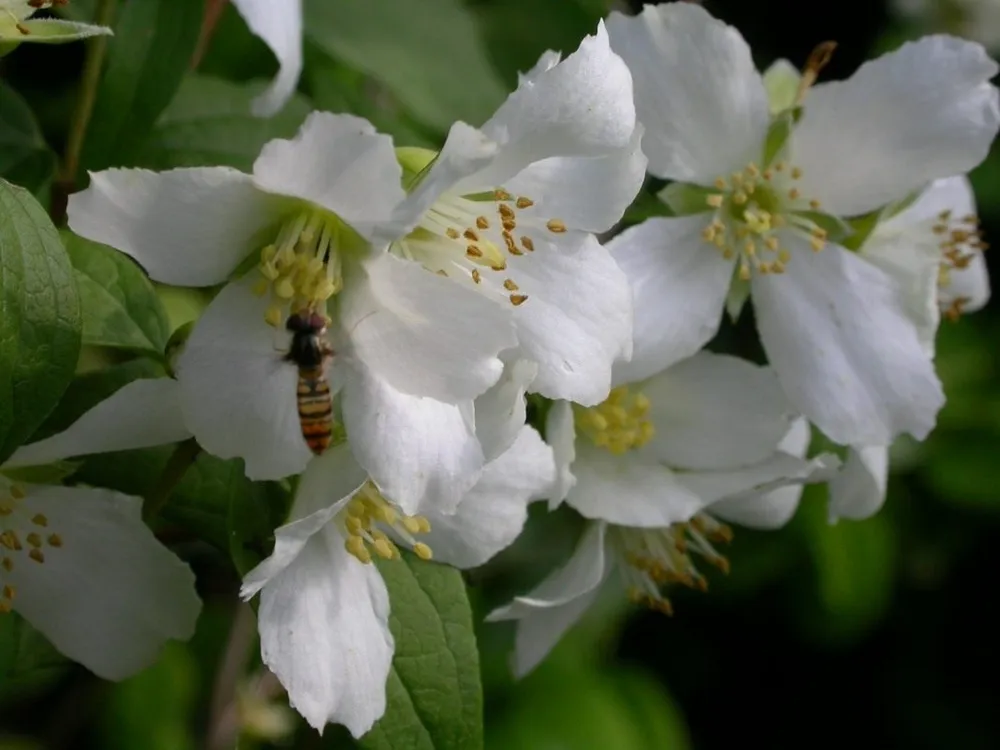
{"x": 523, "y": 202}
{"x": 37, "y": 555}
{"x": 620, "y": 423}
{"x": 784, "y": 256}
{"x": 18, "y": 493}
{"x": 815, "y": 205}
{"x": 744, "y": 272}
{"x": 7, "y": 563}
{"x": 55, "y": 540}
{"x": 708, "y": 233}
{"x": 384, "y": 549}
{"x": 473, "y": 251}
{"x": 816, "y": 244}
{"x": 356, "y": 546}
{"x": 527, "y": 244}
{"x": 793, "y": 194}
{"x": 353, "y": 525}
{"x": 518, "y": 299}
{"x": 422, "y": 551}
{"x": 476, "y": 276}
{"x": 469, "y": 235}
{"x": 274, "y": 316}
{"x": 772, "y": 243}
{"x": 510, "y": 286}
{"x": 260, "y": 287}
{"x": 452, "y": 233}
{"x": 33, "y": 539}
{"x": 482, "y": 222}
{"x": 8, "y": 591}
{"x": 284, "y": 288}
{"x": 714, "y": 200}
{"x": 555, "y": 226}
{"x": 739, "y": 197}
{"x": 796, "y": 173}
{"x": 720, "y": 183}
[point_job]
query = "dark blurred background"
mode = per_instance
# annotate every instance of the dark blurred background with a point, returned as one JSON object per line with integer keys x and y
{"x": 878, "y": 633}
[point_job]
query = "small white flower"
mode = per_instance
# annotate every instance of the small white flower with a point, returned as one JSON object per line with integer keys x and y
{"x": 324, "y": 609}
{"x": 510, "y": 209}
{"x": 411, "y": 349}
{"x": 78, "y": 563}
{"x": 17, "y": 27}
{"x": 279, "y": 24}
{"x": 763, "y": 207}
{"x": 654, "y": 467}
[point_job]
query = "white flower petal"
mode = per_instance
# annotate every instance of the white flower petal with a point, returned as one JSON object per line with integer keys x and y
{"x": 416, "y": 450}
{"x": 836, "y": 333}
{"x": 697, "y": 91}
{"x": 714, "y": 411}
{"x": 780, "y": 470}
{"x": 630, "y": 490}
{"x": 111, "y": 594}
{"x": 141, "y": 414}
{"x": 423, "y": 334}
{"x": 500, "y": 413}
{"x": 492, "y": 514}
{"x": 547, "y": 60}
{"x": 969, "y": 285}
{"x": 858, "y": 491}
{"x": 580, "y": 107}
{"x": 576, "y": 321}
{"x": 539, "y": 631}
{"x": 925, "y": 111}
{"x": 187, "y": 227}
{"x": 237, "y": 390}
{"x": 560, "y": 433}
{"x": 679, "y": 285}
{"x": 325, "y": 487}
{"x": 773, "y": 509}
{"x": 279, "y": 24}
{"x": 324, "y": 632}
{"x": 338, "y": 162}
{"x": 587, "y": 193}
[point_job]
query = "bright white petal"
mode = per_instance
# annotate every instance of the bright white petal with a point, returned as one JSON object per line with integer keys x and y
{"x": 714, "y": 411}
{"x": 279, "y": 24}
{"x": 969, "y": 285}
{"x": 539, "y": 631}
{"x": 141, "y": 414}
{"x": 493, "y": 513}
{"x": 110, "y": 595}
{"x": 629, "y": 490}
{"x": 576, "y": 321}
{"x": 416, "y": 450}
{"x": 697, "y": 91}
{"x": 587, "y": 193}
{"x": 237, "y": 390}
{"x": 338, "y": 162}
{"x": 324, "y": 633}
{"x": 500, "y": 413}
{"x": 773, "y": 509}
{"x": 858, "y": 491}
{"x": 679, "y": 285}
{"x": 423, "y": 334}
{"x": 925, "y": 111}
{"x": 580, "y": 575}
{"x": 560, "y": 433}
{"x": 325, "y": 487}
{"x": 580, "y": 107}
{"x": 836, "y": 332}
{"x": 547, "y": 60}
{"x": 780, "y": 470}
{"x": 187, "y": 227}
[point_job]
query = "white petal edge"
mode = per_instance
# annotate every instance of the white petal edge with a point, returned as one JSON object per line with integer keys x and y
{"x": 500, "y": 413}
{"x": 279, "y": 24}
{"x": 858, "y": 491}
{"x": 560, "y": 433}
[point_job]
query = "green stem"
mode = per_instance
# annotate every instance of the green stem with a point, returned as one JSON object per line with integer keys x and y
{"x": 180, "y": 461}
{"x": 96, "y": 49}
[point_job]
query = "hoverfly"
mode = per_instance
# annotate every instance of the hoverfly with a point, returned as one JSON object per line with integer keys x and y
{"x": 310, "y": 352}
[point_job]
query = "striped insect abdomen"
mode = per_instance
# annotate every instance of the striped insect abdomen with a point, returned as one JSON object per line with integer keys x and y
{"x": 315, "y": 409}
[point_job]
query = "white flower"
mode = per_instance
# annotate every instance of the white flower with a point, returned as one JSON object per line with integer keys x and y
{"x": 279, "y": 24}
{"x": 78, "y": 563}
{"x": 411, "y": 349}
{"x": 509, "y": 210}
{"x": 16, "y": 27}
{"x": 858, "y": 490}
{"x": 763, "y": 194}
{"x": 324, "y": 609}
{"x": 978, "y": 20}
{"x": 650, "y": 522}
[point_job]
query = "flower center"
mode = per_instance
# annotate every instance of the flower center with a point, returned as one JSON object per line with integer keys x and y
{"x": 751, "y": 208}
{"x": 619, "y": 423}
{"x": 472, "y": 236}
{"x": 960, "y": 240}
{"x": 657, "y": 558}
{"x": 303, "y": 268}
{"x": 23, "y": 538}
{"x": 367, "y": 518}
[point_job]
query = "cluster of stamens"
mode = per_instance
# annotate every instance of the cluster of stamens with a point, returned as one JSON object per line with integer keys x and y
{"x": 480, "y": 242}
{"x": 750, "y": 207}
{"x": 658, "y": 558}
{"x": 364, "y": 520}
{"x": 620, "y": 423}
{"x": 960, "y": 241}
{"x": 302, "y": 269}
{"x": 15, "y": 542}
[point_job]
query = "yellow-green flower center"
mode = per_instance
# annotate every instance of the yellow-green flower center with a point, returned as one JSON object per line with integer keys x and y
{"x": 303, "y": 268}
{"x": 366, "y": 519}
{"x": 620, "y": 423}
{"x": 655, "y": 559}
{"x": 24, "y": 538}
{"x": 751, "y": 208}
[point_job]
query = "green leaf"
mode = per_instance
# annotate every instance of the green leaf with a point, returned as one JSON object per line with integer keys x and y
{"x": 25, "y": 157}
{"x": 209, "y": 122}
{"x": 27, "y": 660}
{"x": 39, "y": 317}
{"x": 251, "y": 511}
{"x": 120, "y": 306}
{"x": 429, "y": 54}
{"x": 434, "y": 697}
{"x": 154, "y": 42}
